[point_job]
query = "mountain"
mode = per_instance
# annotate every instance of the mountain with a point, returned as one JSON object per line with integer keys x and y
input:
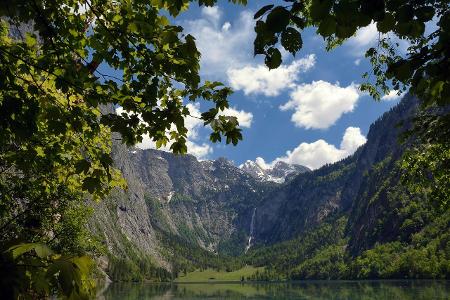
{"x": 311, "y": 197}
{"x": 279, "y": 172}
{"x": 338, "y": 221}
{"x": 206, "y": 205}
{"x": 355, "y": 218}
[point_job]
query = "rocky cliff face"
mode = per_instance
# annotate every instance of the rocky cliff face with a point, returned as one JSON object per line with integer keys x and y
{"x": 206, "y": 203}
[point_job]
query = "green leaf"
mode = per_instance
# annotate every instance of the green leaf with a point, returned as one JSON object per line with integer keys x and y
{"x": 291, "y": 40}
{"x": 91, "y": 184}
{"x": 262, "y": 11}
{"x": 215, "y": 137}
{"x": 320, "y": 9}
{"x": 299, "y": 22}
{"x": 278, "y": 19}
{"x": 437, "y": 89}
{"x": 68, "y": 276}
{"x": 83, "y": 263}
{"x": 344, "y": 32}
{"x": 132, "y": 27}
{"x": 328, "y": 26}
{"x": 41, "y": 250}
{"x": 116, "y": 18}
{"x": 30, "y": 40}
{"x": 82, "y": 166}
{"x": 273, "y": 58}
{"x": 425, "y": 13}
{"x": 18, "y": 250}
{"x": 387, "y": 24}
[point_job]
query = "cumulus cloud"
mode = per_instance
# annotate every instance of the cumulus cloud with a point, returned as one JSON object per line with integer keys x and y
{"x": 262, "y": 163}
{"x": 365, "y": 36}
{"x": 363, "y": 39}
{"x": 352, "y": 140}
{"x": 316, "y": 154}
{"x": 260, "y": 80}
{"x": 201, "y": 151}
{"x": 222, "y": 44}
{"x": 227, "y": 49}
{"x": 212, "y": 13}
{"x": 245, "y": 118}
{"x": 392, "y": 96}
{"x": 320, "y": 104}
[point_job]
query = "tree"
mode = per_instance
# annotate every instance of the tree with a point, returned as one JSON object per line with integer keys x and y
{"x": 57, "y": 114}
{"x": 423, "y": 70}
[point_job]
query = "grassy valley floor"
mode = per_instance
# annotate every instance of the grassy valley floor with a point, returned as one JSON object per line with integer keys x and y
{"x": 210, "y": 275}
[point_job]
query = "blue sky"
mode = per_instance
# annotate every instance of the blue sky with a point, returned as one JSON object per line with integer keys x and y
{"x": 309, "y": 111}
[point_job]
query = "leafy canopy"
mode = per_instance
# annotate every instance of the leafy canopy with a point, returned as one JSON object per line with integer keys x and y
{"x": 57, "y": 119}
{"x": 424, "y": 68}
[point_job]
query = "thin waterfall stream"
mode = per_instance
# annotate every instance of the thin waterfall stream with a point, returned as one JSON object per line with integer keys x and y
{"x": 252, "y": 229}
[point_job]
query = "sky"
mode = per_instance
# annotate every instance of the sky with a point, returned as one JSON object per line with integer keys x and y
{"x": 309, "y": 111}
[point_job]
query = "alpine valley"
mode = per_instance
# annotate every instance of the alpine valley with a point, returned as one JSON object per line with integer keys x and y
{"x": 350, "y": 219}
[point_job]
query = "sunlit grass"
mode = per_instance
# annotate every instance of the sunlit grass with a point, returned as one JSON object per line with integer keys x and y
{"x": 214, "y": 275}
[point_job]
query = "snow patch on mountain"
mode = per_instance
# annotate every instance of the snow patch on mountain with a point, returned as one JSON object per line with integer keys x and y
{"x": 279, "y": 172}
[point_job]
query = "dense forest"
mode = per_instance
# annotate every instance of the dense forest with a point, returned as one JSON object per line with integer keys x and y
{"x": 75, "y": 205}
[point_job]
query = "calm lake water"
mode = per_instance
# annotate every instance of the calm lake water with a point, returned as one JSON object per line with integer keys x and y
{"x": 334, "y": 290}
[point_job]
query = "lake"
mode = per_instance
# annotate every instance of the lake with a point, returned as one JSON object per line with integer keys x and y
{"x": 335, "y": 290}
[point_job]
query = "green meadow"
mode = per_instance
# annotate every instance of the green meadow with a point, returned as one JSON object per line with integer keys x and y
{"x": 214, "y": 275}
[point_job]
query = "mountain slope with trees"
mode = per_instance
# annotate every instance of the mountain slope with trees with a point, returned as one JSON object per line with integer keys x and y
{"x": 356, "y": 218}
{"x": 344, "y": 220}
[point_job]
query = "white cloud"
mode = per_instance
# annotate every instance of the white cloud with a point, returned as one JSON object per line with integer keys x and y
{"x": 192, "y": 122}
{"x": 313, "y": 155}
{"x": 212, "y": 13}
{"x": 245, "y": 118}
{"x": 320, "y": 104}
{"x": 226, "y": 26}
{"x": 363, "y": 39}
{"x": 365, "y": 36}
{"x": 357, "y": 61}
{"x": 222, "y": 44}
{"x": 352, "y": 140}
{"x": 262, "y": 164}
{"x": 260, "y": 80}
{"x": 392, "y": 96}
{"x": 316, "y": 154}
{"x": 227, "y": 54}
{"x": 201, "y": 151}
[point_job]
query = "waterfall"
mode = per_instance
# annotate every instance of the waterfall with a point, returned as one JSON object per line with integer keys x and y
{"x": 252, "y": 228}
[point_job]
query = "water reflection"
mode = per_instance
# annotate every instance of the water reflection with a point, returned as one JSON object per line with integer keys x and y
{"x": 335, "y": 290}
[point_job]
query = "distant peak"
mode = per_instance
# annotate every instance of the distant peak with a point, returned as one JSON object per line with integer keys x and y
{"x": 278, "y": 172}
